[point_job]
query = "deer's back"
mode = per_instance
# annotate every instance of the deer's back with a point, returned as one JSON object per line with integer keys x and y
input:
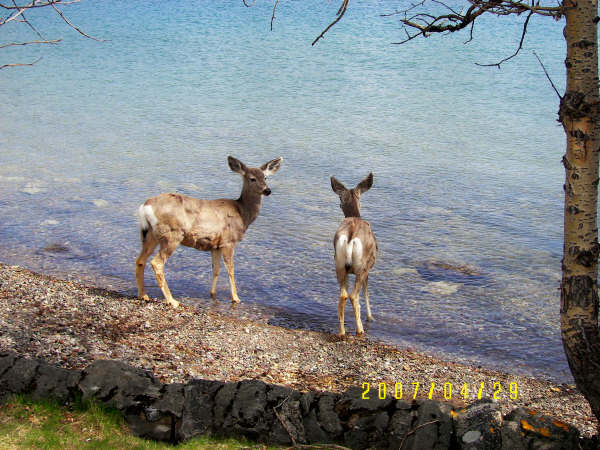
{"x": 204, "y": 224}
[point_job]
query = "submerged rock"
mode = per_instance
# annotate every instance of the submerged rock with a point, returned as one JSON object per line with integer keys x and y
{"x": 56, "y": 248}
{"x": 441, "y": 288}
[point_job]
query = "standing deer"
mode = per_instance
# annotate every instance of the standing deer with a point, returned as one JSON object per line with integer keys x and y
{"x": 211, "y": 225}
{"x": 355, "y": 250}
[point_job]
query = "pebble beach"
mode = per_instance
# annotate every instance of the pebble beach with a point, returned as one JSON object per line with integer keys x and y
{"x": 70, "y": 325}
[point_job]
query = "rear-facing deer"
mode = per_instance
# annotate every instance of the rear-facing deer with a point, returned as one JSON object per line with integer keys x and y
{"x": 211, "y": 225}
{"x": 355, "y": 250}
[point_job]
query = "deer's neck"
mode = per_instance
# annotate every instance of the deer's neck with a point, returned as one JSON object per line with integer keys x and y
{"x": 351, "y": 209}
{"x": 249, "y": 204}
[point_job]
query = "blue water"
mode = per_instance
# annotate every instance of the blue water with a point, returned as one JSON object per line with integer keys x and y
{"x": 466, "y": 162}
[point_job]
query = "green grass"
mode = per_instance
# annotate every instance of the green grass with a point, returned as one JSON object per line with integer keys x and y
{"x": 46, "y": 425}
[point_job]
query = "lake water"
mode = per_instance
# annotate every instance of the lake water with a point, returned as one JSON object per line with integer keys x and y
{"x": 466, "y": 162}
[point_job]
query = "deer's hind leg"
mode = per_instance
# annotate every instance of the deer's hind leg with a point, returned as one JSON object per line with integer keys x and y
{"x": 149, "y": 243}
{"x": 216, "y": 268}
{"x": 342, "y": 276}
{"x": 366, "y": 294}
{"x": 167, "y": 247}
{"x": 354, "y": 297}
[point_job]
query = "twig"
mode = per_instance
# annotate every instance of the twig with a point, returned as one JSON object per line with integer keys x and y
{"x": 414, "y": 430}
{"x": 28, "y": 23}
{"x": 19, "y": 64}
{"x": 282, "y": 422}
{"x": 424, "y": 24}
{"x": 518, "y": 48}
{"x": 248, "y": 5}
{"x": 413, "y": 6}
{"x": 340, "y": 14}
{"x": 547, "y": 75}
{"x": 273, "y": 16}
{"x": 470, "y": 33}
{"x": 60, "y": 13}
{"x": 12, "y": 44}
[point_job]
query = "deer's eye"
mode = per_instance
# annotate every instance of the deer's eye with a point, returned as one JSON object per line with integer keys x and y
{"x": 253, "y": 179}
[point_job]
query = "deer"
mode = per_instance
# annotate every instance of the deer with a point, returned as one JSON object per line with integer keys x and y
{"x": 170, "y": 220}
{"x": 355, "y": 251}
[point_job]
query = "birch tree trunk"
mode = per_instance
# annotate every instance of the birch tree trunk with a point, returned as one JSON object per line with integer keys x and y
{"x": 579, "y": 117}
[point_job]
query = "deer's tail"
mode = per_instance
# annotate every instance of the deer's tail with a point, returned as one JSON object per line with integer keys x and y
{"x": 147, "y": 220}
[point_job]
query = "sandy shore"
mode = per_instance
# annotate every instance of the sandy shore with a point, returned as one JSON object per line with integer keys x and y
{"x": 71, "y": 325}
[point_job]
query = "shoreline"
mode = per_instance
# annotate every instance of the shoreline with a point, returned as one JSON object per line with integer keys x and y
{"x": 70, "y": 325}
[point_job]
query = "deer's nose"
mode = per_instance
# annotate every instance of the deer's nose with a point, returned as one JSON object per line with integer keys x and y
{"x": 267, "y": 191}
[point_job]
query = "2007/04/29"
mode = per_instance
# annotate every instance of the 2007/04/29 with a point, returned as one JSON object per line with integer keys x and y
{"x": 382, "y": 389}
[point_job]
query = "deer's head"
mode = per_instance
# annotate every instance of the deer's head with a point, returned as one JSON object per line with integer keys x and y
{"x": 350, "y": 198}
{"x": 255, "y": 178}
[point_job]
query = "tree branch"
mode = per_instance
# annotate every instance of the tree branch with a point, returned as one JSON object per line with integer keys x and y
{"x": 547, "y": 75}
{"x": 273, "y": 15}
{"x": 424, "y": 24}
{"x": 518, "y": 48}
{"x": 339, "y": 14}
{"x": 12, "y": 44}
{"x": 19, "y": 64}
{"x": 60, "y": 13}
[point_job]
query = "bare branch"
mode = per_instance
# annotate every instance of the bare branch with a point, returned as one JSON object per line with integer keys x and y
{"x": 37, "y": 4}
{"x": 446, "y": 6}
{"x": 248, "y": 5}
{"x": 12, "y": 44}
{"x": 415, "y": 430}
{"x": 16, "y": 13}
{"x": 547, "y": 75}
{"x": 339, "y": 14}
{"x": 19, "y": 64}
{"x": 273, "y": 16}
{"x": 404, "y": 11}
{"x": 60, "y": 13}
{"x": 518, "y": 48}
{"x": 470, "y": 33}
{"x": 28, "y": 23}
{"x": 424, "y": 24}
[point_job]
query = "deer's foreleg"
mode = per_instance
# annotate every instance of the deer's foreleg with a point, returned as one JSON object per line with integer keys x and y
{"x": 228, "y": 260}
{"x": 216, "y": 268}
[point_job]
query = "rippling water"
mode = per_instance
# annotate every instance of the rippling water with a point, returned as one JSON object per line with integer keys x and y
{"x": 467, "y": 198}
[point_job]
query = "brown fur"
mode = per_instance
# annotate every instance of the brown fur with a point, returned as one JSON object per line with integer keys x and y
{"x": 353, "y": 227}
{"x": 209, "y": 225}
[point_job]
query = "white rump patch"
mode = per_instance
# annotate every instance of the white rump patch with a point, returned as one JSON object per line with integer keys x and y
{"x": 341, "y": 251}
{"x": 147, "y": 217}
{"x": 348, "y": 254}
{"x": 356, "y": 249}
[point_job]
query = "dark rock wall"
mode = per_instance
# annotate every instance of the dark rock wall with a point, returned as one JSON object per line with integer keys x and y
{"x": 280, "y": 415}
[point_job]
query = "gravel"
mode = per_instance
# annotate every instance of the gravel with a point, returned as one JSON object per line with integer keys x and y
{"x": 71, "y": 325}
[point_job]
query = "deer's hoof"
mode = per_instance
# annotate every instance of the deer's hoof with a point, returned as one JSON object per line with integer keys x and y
{"x": 235, "y": 300}
{"x": 360, "y": 334}
{"x": 145, "y": 297}
{"x": 370, "y": 318}
{"x": 173, "y": 303}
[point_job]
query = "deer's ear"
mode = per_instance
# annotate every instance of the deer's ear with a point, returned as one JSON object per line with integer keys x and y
{"x": 272, "y": 166}
{"x": 236, "y": 165}
{"x": 365, "y": 184}
{"x": 337, "y": 186}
